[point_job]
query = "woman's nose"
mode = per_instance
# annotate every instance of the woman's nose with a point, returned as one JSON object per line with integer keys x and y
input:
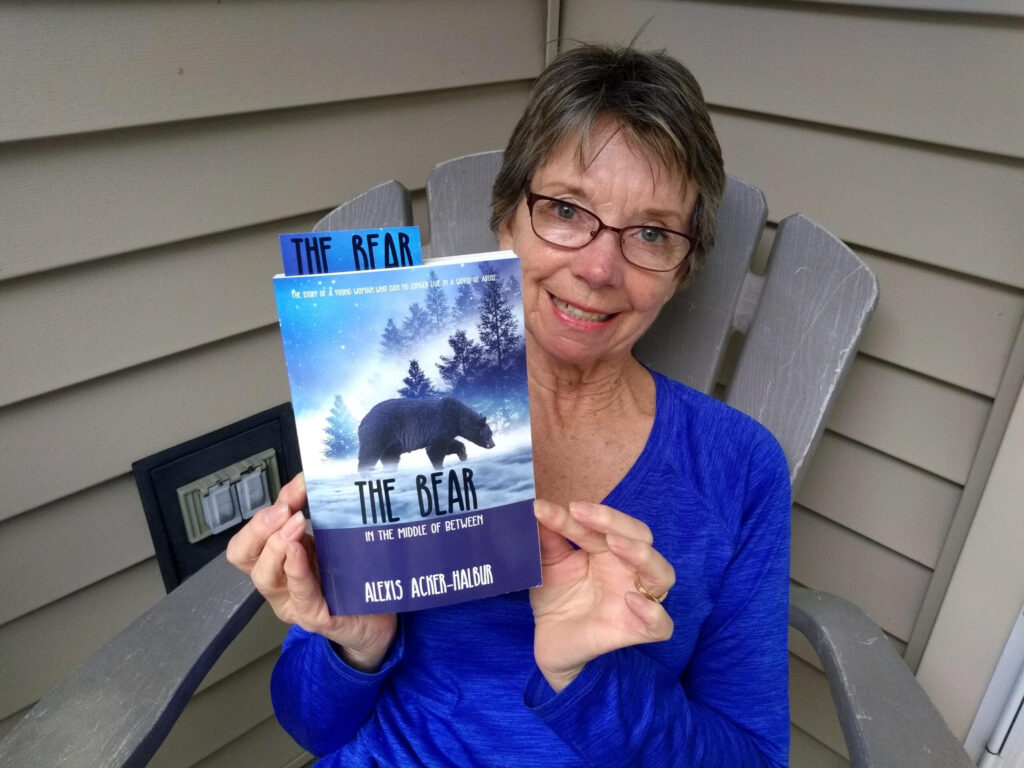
{"x": 600, "y": 263}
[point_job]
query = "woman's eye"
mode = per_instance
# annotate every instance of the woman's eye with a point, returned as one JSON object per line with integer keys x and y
{"x": 651, "y": 235}
{"x": 564, "y": 210}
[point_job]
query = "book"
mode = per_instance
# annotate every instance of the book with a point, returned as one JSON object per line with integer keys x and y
{"x": 411, "y": 406}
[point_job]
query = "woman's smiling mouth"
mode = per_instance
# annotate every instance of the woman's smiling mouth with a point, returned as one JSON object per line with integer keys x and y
{"x": 576, "y": 313}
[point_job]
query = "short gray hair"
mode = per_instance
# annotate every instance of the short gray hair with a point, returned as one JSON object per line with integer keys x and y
{"x": 650, "y": 95}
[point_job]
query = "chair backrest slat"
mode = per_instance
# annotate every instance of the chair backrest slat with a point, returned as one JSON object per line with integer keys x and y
{"x": 689, "y": 338}
{"x": 386, "y": 205}
{"x": 817, "y": 298}
{"x": 459, "y": 202}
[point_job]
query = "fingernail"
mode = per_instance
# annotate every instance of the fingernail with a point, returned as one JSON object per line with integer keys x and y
{"x": 577, "y": 508}
{"x": 294, "y": 525}
{"x": 275, "y": 514}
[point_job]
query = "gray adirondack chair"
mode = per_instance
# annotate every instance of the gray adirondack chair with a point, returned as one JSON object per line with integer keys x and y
{"x": 801, "y": 323}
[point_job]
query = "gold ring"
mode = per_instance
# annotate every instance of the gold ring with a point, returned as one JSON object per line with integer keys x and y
{"x": 640, "y": 588}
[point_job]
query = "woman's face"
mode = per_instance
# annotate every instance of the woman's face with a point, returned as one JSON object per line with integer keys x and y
{"x": 589, "y": 306}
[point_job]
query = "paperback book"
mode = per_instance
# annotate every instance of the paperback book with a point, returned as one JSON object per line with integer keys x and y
{"x": 411, "y": 406}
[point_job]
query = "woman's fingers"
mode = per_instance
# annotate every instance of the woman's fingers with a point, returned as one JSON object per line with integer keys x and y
{"x": 564, "y": 521}
{"x": 303, "y": 587}
{"x": 552, "y": 518}
{"x": 267, "y": 573}
{"x": 603, "y": 519}
{"x": 597, "y": 528}
{"x": 655, "y": 574}
{"x": 657, "y": 623}
{"x": 246, "y": 546}
{"x": 630, "y": 540}
{"x": 294, "y": 493}
{"x": 589, "y": 603}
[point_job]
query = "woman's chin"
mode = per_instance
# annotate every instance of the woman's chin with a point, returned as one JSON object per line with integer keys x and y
{"x": 573, "y": 350}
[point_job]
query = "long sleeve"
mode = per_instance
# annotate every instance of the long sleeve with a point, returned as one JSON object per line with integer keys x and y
{"x": 320, "y": 700}
{"x": 728, "y": 704}
{"x": 628, "y": 710}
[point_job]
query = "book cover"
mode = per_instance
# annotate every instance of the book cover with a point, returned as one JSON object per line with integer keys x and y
{"x": 410, "y": 398}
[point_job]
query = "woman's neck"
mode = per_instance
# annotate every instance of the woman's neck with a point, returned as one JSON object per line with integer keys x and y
{"x": 589, "y": 425}
{"x": 563, "y": 392}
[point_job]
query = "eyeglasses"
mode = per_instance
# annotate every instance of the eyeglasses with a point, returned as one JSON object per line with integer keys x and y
{"x": 568, "y": 225}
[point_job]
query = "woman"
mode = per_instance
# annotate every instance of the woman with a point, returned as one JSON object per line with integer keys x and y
{"x": 659, "y": 634}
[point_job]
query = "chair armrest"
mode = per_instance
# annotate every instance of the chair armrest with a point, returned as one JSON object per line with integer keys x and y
{"x": 116, "y": 708}
{"x": 886, "y": 716}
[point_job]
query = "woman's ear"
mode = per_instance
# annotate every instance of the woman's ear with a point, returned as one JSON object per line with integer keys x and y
{"x": 685, "y": 274}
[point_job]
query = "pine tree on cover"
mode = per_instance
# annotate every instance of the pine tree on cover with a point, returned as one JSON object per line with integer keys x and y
{"x": 340, "y": 437}
{"x": 417, "y": 385}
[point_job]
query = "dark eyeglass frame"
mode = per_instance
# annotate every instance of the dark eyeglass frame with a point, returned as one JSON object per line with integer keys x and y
{"x": 533, "y": 197}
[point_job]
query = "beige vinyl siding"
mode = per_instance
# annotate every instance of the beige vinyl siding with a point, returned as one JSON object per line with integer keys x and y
{"x": 898, "y": 129}
{"x": 151, "y": 153}
{"x": 46, "y": 567}
{"x": 93, "y": 431}
{"x": 946, "y": 306}
{"x": 806, "y": 750}
{"x": 229, "y": 705}
{"x": 813, "y": 708}
{"x": 42, "y": 646}
{"x": 83, "y": 67}
{"x": 287, "y": 163}
{"x": 987, "y": 8}
{"x": 928, "y": 77}
{"x": 887, "y": 586}
{"x": 215, "y": 183}
{"x": 904, "y": 508}
{"x": 914, "y": 418}
{"x": 265, "y": 744}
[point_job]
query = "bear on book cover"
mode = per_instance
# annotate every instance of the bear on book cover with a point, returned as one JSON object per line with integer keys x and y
{"x": 401, "y": 425}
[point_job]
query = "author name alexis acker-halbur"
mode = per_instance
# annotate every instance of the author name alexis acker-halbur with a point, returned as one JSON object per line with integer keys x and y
{"x": 429, "y": 584}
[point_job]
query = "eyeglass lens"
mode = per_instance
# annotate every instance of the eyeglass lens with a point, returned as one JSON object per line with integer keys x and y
{"x": 565, "y": 224}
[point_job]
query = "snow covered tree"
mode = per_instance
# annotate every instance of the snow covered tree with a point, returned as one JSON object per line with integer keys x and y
{"x": 417, "y": 385}
{"x": 416, "y": 324}
{"x": 465, "y": 306}
{"x": 462, "y": 368}
{"x": 436, "y": 303}
{"x": 392, "y": 343}
{"x": 340, "y": 434}
{"x": 498, "y": 327}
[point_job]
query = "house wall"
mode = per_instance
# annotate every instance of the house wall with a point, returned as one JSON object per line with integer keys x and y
{"x": 896, "y": 125}
{"x": 149, "y": 155}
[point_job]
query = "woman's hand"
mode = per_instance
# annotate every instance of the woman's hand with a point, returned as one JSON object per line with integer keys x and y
{"x": 278, "y": 554}
{"x": 589, "y": 604}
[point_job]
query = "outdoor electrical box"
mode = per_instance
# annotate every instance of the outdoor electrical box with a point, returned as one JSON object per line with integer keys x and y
{"x": 229, "y": 496}
{"x": 197, "y": 494}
